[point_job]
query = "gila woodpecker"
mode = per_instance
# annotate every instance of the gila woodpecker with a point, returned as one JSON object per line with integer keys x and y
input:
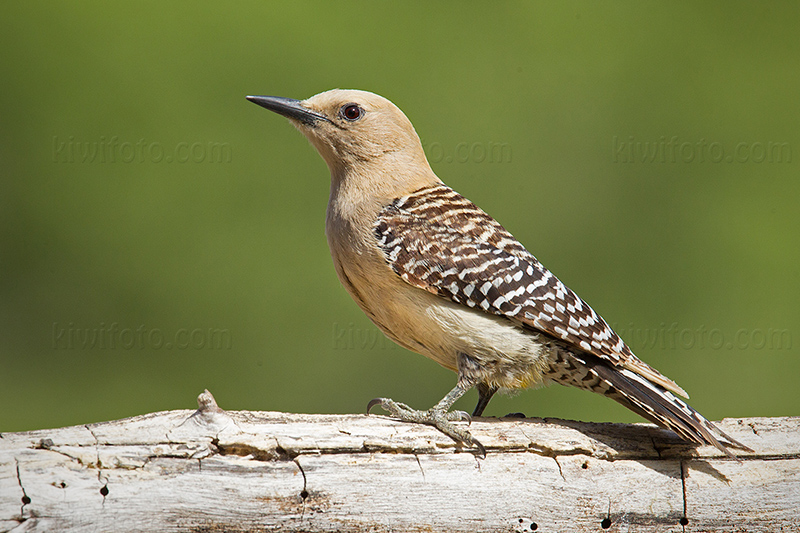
{"x": 442, "y": 278}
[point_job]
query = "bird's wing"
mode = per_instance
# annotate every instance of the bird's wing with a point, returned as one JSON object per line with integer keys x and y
{"x": 438, "y": 241}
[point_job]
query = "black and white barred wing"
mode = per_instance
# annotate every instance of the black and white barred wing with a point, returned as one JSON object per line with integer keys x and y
{"x": 437, "y": 240}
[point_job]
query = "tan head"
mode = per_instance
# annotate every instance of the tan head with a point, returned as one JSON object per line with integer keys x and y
{"x": 359, "y": 134}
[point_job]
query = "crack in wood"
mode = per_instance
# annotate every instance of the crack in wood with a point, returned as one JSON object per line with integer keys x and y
{"x": 304, "y": 492}
{"x": 684, "y": 519}
{"x": 25, "y": 498}
{"x": 96, "y": 445}
{"x": 560, "y": 471}
{"x": 420, "y": 466}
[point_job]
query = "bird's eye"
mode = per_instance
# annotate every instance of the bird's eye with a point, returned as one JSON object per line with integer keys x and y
{"x": 351, "y": 112}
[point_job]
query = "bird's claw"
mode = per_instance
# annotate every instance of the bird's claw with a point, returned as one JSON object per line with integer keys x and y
{"x": 388, "y": 404}
{"x": 373, "y": 402}
{"x": 432, "y": 417}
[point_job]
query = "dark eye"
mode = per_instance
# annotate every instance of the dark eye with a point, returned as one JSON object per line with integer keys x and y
{"x": 351, "y": 112}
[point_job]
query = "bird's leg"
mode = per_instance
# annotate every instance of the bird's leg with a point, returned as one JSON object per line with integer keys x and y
{"x": 439, "y": 416}
{"x": 485, "y": 393}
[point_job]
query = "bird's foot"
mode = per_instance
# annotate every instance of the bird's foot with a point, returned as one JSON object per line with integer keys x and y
{"x": 438, "y": 418}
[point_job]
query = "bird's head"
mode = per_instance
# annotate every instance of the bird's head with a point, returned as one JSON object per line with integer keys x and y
{"x": 354, "y": 131}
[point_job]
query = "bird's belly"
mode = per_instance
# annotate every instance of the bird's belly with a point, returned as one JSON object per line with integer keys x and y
{"x": 496, "y": 351}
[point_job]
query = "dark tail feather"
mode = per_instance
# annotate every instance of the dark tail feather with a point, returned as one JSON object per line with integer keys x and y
{"x": 652, "y": 402}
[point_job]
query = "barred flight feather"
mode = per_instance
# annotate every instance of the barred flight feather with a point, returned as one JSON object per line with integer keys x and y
{"x": 648, "y": 400}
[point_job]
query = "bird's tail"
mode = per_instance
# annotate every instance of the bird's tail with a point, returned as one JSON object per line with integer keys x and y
{"x": 641, "y": 396}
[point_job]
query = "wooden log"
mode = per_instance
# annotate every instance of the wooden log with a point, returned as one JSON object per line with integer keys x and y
{"x": 212, "y": 470}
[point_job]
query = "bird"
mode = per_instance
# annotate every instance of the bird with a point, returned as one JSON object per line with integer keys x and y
{"x": 440, "y": 277}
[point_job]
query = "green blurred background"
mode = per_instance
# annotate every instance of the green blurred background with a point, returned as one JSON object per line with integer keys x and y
{"x": 647, "y": 153}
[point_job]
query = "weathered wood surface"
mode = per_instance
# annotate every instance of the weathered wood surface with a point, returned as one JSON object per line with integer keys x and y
{"x": 211, "y": 470}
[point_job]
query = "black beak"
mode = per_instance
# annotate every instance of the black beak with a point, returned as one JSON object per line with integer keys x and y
{"x": 289, "y": 108}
